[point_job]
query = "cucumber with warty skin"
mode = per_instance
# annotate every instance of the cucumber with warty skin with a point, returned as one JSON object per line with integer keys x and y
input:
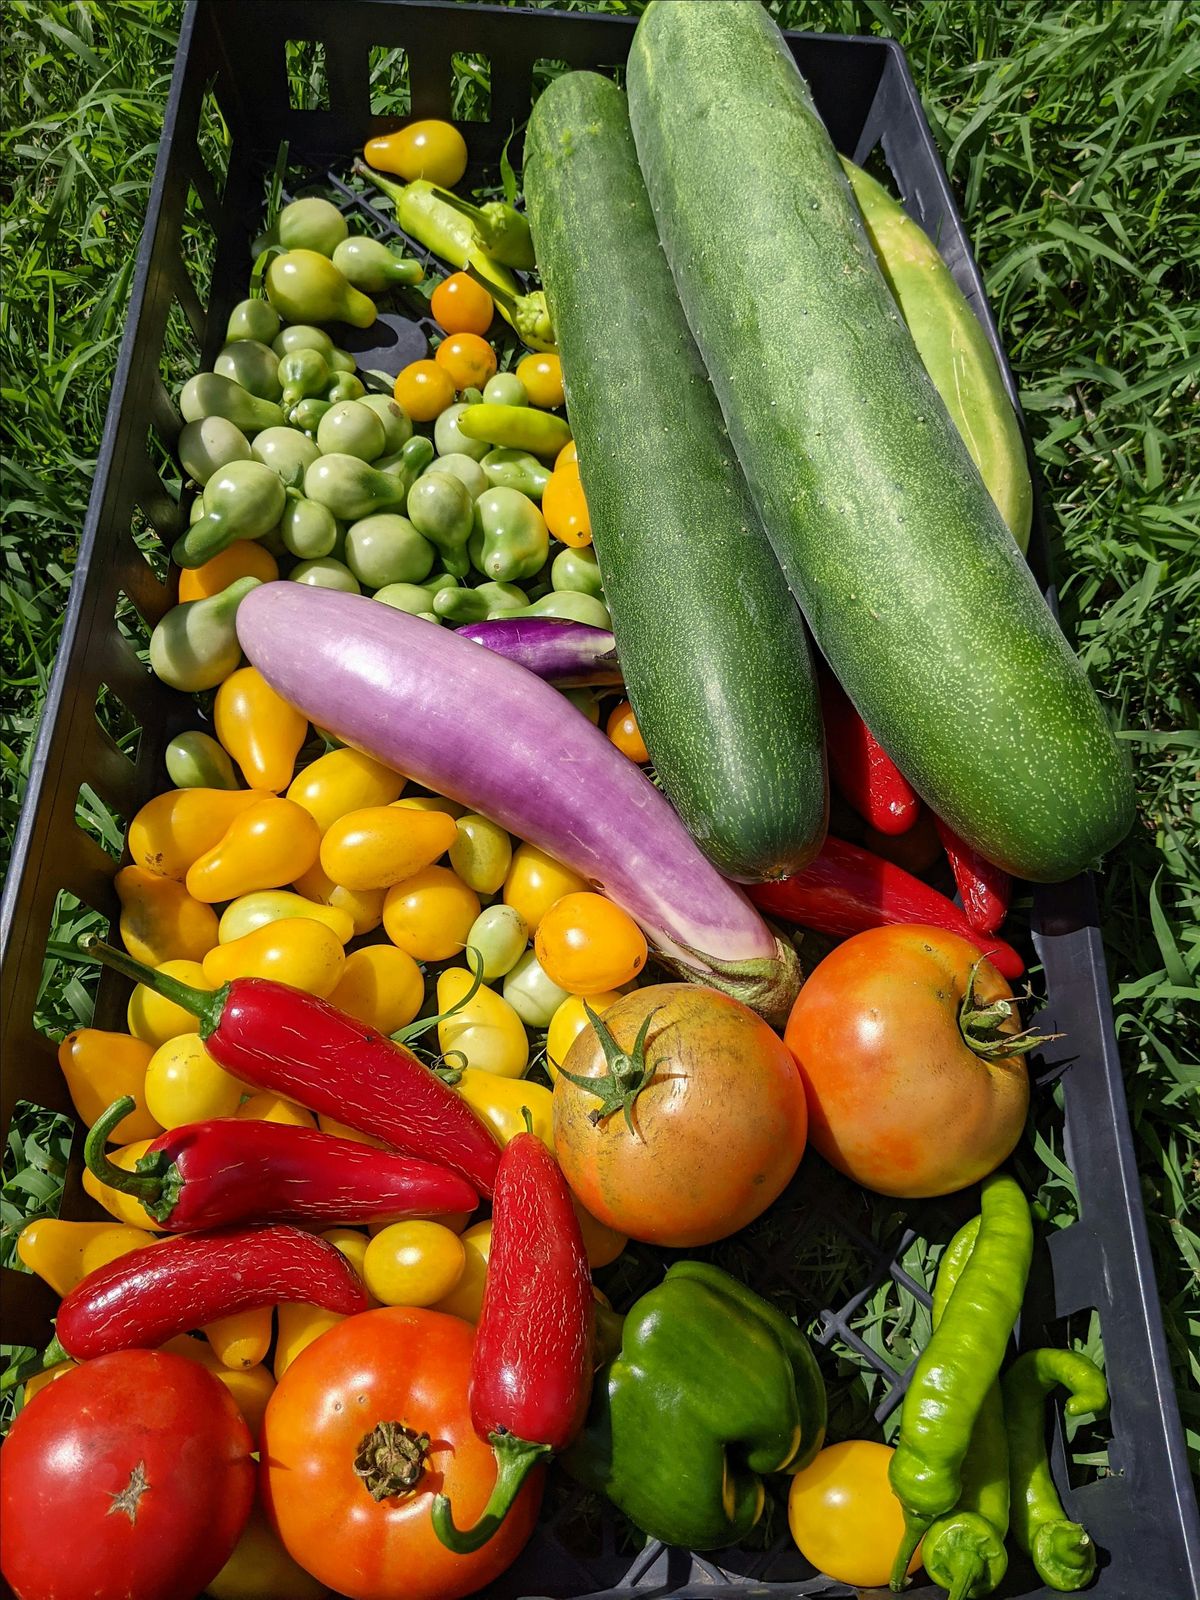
{"x": 912, "y": 585}
{"x": 713, "y": 646}
{"x": 953, "y": 348}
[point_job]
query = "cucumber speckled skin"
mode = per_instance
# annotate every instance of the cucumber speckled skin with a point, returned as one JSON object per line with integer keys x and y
{"x": 713, "y": 646}
{"x": 914, "y": 588}
{"x": 953, "y": 348}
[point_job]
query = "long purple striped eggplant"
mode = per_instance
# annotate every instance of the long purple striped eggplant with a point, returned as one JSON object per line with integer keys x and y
{"x": 483, "y": 731}
{"x": 569, "y": 654}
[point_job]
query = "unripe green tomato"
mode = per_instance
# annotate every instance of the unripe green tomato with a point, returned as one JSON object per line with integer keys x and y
{"x": 286, "y": 451}
{"x": 196, "y": 761}
{"x": 439, "y": 506}
{"x": 481, "y": 854}
{"x": 311, "y": 223}
{"x": 302, "y": 336}
{"x": 584, "y": 700}
{"x": 386, "y": 549}
{"x": 345, "y": 386}
{"x": 207, "y": 446}
{"x": 397, "y": 424}
{"x": 576, "y": 571}
{"x": 466, "y": 469}
{"x": 352, "y": 430}
{"x": 532, "y": 995}
{"x": 410, "y": 597}
{"x": 325, "y": 573}
{"x": 451, "y": 440}
{"x": 255, "y": 366}
{"x": 307, "y": 529}
{"x": 504, "y": 389}
{"x": 252, "y": 319}
{"x": 500, "y": 934}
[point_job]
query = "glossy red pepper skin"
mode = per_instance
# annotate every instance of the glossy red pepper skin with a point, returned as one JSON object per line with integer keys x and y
{"x": 860, "y": 766}
{"x": 531, "y": 1369}
{"x": 141, "y": 1300}
{"x": 985, "y": 890}
{"x": 224, "y": 1171}
{"x": 276, "y": 1037}
{"x": 846, "y": 890}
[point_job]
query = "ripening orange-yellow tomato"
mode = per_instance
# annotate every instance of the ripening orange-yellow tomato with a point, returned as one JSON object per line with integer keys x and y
{"x": 535, "y": 881}
{"x": 424, "y": 390}
{"x": 460, "y": 305}
{"x": 586, "y": 944}
{"x": 430, "y": 914}
{"x": 565, "y": 507}
{"x": 469, "y": 360}
{"x": 541, "y": 373}
{"x": 622, "y": 728}
{"x": 430, "y": 149}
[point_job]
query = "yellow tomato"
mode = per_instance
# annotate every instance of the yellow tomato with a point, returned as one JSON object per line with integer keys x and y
{"x": 363, "y": 906}
{"x": 341, "y": 781}
{"x": 382, "y": 845}
{"x": 260, "y": 1568}
{"x": 468, "y": 360}
{"x": 184, "y": 1084}
{"x": 160, "y": 920}
{"x": 502, "y": 1103}
{"x": 586, "y": 944}
{"x": 565, "y": 506}
{"x": 431, "y": 802}
{"x": 570, "y": 1020}
{"x": 535, "y": 881}
{"x": 297, "y": 1325}
{"x": 260, "y": 730}
{"x": 381, "y": 986}
{"x": 413, "y": 1263}
{"x": 424, "y": 390}
{"x": 101, "y": 1067}
{"x": 265, "y": 847}
{"x": 55, "y": 1249}
{"x": 269, "y": 1107}
{"x": 843, "y": 1514}
{"x": 430, "y": 914}
{"x": 568, "y": 453}
{"x": 460, "y": 305}
{"x": 156, "y": 1019}
{"x": 352, "y": 1242}
{"x": 465, "y": 1300}
{"x": 115, "y": 1242}
{"x": 249, "y": 912}
{"x": 125, "y": 1207}
{"x": 427, "y": 149}
{"x": 298, "y": 951}
{"x": 541, "y": 373}
{"x": 602, "y": 1243}
{"x": 343, "y": 1130}
{"x": 177, "y": 827}
{"x": 245, "y": 558}
{"x": 485, "y": 1032}
{"x": 38, "y": 1381}
{"x": 241, "y": 1339}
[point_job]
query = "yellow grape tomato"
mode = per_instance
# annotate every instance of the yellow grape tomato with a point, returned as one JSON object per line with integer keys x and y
{"x": 298, "y": 951}
{"x": 382, "y": 986}
{"x": 430, "y": 914}
{"x": 184, "y": 1084}
{"x": 413, "y": 1263}
{"x": 341, "y": 781}
{"x": 156, "y": 1019}
{"x": 535, "y": 881}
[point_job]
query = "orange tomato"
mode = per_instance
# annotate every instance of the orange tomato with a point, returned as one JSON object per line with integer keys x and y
{"x": 403, "y": 1365}
{"x": 246, "y": 558}
{"x": 541, "y": 373}
{"x": 623, "y": 730}
{"x": 460, "y": 305}
{"x": 899, "y": 1100}
{"x": 568, "y": 453}
{"x": 469, "y": 360}
{"x": 586, "y": 944}
{"x": 565, "y": 508}
{"x": 424, "y": 390}
{"x": 718, "y": 1118}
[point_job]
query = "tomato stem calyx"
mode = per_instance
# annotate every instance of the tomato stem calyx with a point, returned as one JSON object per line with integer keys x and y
{"x": 982, "y": 1026}
{"x": 627, "y": 1075}
{"x": 390, "y": 1459}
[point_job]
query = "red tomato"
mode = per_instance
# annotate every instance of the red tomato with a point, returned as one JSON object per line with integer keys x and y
{"x": 897, "y": 1098}
{"x": 129, "y": 1479}
{"x": 400, "y": 1365}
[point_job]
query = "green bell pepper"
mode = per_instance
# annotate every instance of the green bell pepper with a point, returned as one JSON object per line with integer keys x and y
{"x": 713, "y": 1389}
{"x": 510, "y": 540}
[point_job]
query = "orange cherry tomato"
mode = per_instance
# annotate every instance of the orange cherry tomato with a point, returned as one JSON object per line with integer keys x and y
{"x": 586, "y": 944}
{"x": 565, "y": 507}
{"x": 398, "y": 1364}
{"x": 541, "y": 373}
{"x": 424, "y": 390}
{"x": 245, "y": 558}
{"x": 623, "y": 730}
{"x": 843, "y": 1514}
{"x": 469, "y": 360}
{"x": 718, "y": 1120}
{"x": 460, "y": 305}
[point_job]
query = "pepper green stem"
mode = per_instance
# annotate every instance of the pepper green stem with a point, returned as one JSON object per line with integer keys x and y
{"x": 414, "y": 1030}
{"x": 207, "y": 1006}
{"x": 155, "y": 1180}
{"x": 1064, "y": 1556}
{"x": 515, "y": 1459}
{"x": 965, "y": 1554}
{"x": 914, "y": 1531}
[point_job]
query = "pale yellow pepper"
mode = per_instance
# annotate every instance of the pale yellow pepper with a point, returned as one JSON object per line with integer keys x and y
{"x": 485, "y": 1033}
{"x": 241, "y": 1339}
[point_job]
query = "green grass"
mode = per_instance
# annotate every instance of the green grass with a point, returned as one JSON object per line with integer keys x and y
{"x": 1068, "y": 133}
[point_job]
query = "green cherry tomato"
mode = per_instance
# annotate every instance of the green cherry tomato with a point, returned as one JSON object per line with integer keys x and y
{"x": 325, "y": 573}
{"x": 481, "y": 854}
{"x": 386, "y": 549}
{"x": 500, "y": 934}
{"x": 577, "y": 571}
{"x": 532, "y": 995}
{"x": 352, "y": 429}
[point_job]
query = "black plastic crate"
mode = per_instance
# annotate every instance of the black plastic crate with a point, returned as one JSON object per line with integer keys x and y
{"x": 825, "y": 1247}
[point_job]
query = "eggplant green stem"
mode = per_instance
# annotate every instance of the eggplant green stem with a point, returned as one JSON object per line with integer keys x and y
{"x": 207, "y": 1006}
{"x": 515, "y": 1459}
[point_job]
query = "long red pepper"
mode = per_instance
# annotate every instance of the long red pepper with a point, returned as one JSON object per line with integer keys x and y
{"x": 278, "y": 1038}
{"x": 142, "y": 1299}
{"x": 531, "y": 1369}
{"x": 212, "y": 1174}
{"x": 846, "y": 890}
{"x": 985, "y": 890}
{"x": 861, "y": 767}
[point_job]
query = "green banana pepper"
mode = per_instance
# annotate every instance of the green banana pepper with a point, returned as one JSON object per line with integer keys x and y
{"x": 515, "y": 427}
{"x": 510, "y": 540}
{"x": 713, "y": 1389}
{"x": 503, "y": 231}
{"x": 515, "y": 469}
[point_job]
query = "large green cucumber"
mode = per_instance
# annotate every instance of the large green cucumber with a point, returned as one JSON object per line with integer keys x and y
{"x": 914, "y": 588}
{"x": 713, "y": 646}
{"x": 953, "y": 348}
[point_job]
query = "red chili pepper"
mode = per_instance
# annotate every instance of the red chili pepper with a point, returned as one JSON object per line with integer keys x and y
{"x": 212, "y": 1174}
{"x": 985, "y": 889}
{"x": 531, "y": 1369}
{"x": 861, "y": 767}
{"x": 142, "y": 1299}
{"x": 279, "y": 1038}
{"x": 846, "y": 890}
